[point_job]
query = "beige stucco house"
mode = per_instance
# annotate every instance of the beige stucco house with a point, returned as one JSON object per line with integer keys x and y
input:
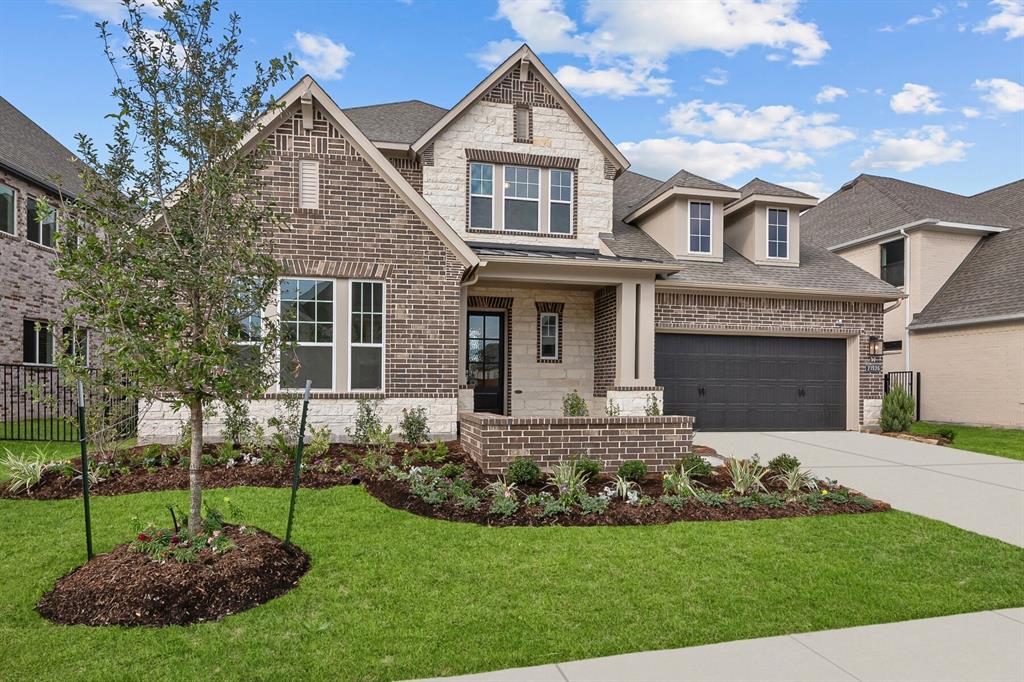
{"x": 960, "y": 261}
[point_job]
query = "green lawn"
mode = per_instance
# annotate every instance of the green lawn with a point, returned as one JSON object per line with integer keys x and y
{"x": 391, "y": 595}
{"x": 985, "y": 439}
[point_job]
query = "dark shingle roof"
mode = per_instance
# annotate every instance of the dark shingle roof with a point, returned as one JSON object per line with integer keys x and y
{"x": 870, "y": 204}
{"x": 1008, "y": 198}
{"x": 820, "y": 270}
{"x": 686, "y": 179}
{"x": 989, "y": 283}
{"x": 759, "y": 186}
{"x": 30, "y": 151}
{"x": 627, "y": 240}
{"x": 401, "y": 122}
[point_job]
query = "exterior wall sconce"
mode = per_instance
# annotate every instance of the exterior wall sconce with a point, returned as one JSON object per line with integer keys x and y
{"x": 875, "y": 345}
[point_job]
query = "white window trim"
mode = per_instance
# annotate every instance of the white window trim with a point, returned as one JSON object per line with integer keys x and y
{"x": 52, "y": 216}
{"x": 540, "y": 337}
{"x": 383, "y": 337}
{"x": 552, "y": 202}
{"x": 14, "y": 223}
{"x": 35, "y": 340}
{"x": 505, "y": 197}
{"x": 491, "y": 196}
{"x": 768, "y": 230}
{"x": 689, "y": 228}
{"x": 318, "y": 344}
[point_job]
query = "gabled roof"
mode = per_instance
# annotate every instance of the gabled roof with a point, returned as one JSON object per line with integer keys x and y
{"x": 587, "y": 124}
{"x": 398, "y": 122}
{"x": 869, "y": 206}
{"x": 683, "y": 182}
{"x": 625, "y": 240}
{"x": 759, "y": 186}
{"x": 1008, "y": 198}
{"x": 306, "y": 90}
{"x": 29, "y": 151}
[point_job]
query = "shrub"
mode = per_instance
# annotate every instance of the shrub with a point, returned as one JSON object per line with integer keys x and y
{"x": 679, "y": 483}
{"x": 783, "y": 464}
{"x": 285, "y": 422}
{"x": 897, "y": 410}
{"x": 633, "y": 470}
{"x": 318, "y": 441}
{"x": 590, "y": 468}
{"x": 623, "y": 488}
{"x": 796, "y": 480}
{"x": 596, "y": 505}
{"x": 225, "y": 453}
{"x": 502, "y": 488}
{"x": 236, "y": 422}
{"x": 523, "y": 471}
{"x": 573, "y": 405}
{"x": 746, "y": 475}
{"x": 367, "y": 421}
{"x": 569, "y": 481}
{"x": 414, "y": 427}
{"x": 613, "y": 409}
{"x": 947, "y": 433}
{"x": 673, "y": 502}
{"x": 26, "y": 471}
{"x": 504, "y": 506}
{"x": 695, "y": 466}
{"x": 651, "y": 407}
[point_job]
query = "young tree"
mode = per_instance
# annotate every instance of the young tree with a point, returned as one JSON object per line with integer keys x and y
{"x": 163, "y": 254}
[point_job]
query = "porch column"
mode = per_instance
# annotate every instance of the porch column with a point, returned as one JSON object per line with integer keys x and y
{"x": 634, "y": 346}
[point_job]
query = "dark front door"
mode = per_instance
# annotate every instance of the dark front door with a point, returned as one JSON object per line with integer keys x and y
{"x": 485, "y": 354}
{"x": 753, "y": 383}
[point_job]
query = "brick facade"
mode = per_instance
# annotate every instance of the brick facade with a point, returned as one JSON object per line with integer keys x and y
{"x": 604, "y": 340}
{"x": 767, "y": 315}
{"x": 495, "y": 441}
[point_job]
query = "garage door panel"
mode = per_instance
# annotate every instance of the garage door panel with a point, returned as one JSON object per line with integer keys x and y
{"x": 753, "y": 382}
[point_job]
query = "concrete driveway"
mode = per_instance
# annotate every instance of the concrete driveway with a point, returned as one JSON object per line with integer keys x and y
{"x": 980, "y": 493}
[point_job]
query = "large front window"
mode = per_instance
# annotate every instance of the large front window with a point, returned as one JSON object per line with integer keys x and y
{"x": 778, "y": 233}
{"x": 366, "y": 360}
{"x": 522, "y": 198}
{"x": 38, "y": 343}
{"x": 893, "y": 254}
{"x": 481, "y": 196}
{"x": 307, "y": 321}
{"x": 700, "y": 227}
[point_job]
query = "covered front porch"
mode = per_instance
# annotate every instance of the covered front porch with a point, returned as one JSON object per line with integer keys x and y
{"x": 534, "y": 332}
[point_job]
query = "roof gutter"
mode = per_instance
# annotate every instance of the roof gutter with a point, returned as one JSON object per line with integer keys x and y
{"x": 1013, "y": 317}
{"x": 660, "y": 267}
{"x": 917, "y": 224}
{"x": 758, "y": 290}
{"x": 35, "y": 180}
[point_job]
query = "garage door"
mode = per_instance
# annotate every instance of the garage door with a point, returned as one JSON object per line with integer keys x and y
{"x": 753, "y": 383}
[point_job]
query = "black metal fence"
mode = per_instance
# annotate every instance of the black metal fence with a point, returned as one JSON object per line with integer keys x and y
{"x": 35, "y": 404}
{"x": 909, "y": 382}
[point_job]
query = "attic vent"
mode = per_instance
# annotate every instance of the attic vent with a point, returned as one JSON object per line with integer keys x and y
{"x": 521, "y": 123}
{"x": 309, "y": 184}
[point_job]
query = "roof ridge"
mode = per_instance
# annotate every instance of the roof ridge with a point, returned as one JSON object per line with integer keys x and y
{"x": 889, "y": 195}
{"x": 993, "y": 189}
{"x": 40, "y": 128}
{"x": 401, "y": 101}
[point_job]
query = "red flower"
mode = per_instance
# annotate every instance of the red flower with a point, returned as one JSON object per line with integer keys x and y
{"x": 174, "y": 539}
{"x": 143, "y": 537}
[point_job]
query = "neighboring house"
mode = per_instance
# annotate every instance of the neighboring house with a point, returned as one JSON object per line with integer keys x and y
{"x": 33, "y": 167}
{"x": 497, "y": 255}
{"x": 960, "y": 261}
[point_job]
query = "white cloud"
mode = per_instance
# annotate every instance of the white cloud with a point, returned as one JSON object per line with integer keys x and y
{"x": 1004, "y": 95}
{"x": 830, "y": 93}
{"x": 716, "y": 76}
{"x": 970, "y": 112}
{"x": 717, "y": 160}
{"x": 772, "y": 125}
{"x": 936, "y": 12}
{"x": 321, "y": 56}
{"x": 1009, "y": 18}
{"x": 915, "y": 98}
{"x": 106, "y": 10}
{"x": 925, "y": 146}
{"x": 816, "y": 188}
{"x": 613, "y": 82}
{"x": 637, "y": 38}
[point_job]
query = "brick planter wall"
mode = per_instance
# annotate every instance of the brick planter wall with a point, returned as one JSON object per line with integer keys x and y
{"x": 494, "y": 441}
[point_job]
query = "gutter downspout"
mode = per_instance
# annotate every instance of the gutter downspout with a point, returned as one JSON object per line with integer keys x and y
{"x": 906, "y": 312}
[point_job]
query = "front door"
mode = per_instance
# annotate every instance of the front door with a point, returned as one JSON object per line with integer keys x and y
{"x": 485, "y": 355}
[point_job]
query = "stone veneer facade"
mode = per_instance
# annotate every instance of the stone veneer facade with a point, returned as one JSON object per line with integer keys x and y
{"x": 710, "y": 313}
{"x": 495, "y": 441}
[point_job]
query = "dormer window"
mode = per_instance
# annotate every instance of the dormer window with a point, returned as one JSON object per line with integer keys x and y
{"x": 778, "y": 233}
{"x": 700, "y": 227}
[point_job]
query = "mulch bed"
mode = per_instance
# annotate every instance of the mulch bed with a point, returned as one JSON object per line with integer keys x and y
{"x": 126, "y": 587}
{"x": 927, "y": 440}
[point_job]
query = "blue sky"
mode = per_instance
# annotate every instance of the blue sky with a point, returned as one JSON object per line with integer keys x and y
{"x": 807, "y": 94}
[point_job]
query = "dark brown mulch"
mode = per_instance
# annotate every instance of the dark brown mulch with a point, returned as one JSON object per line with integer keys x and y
{"x": 396, "y": 494}
{"x": 128, "y": 588}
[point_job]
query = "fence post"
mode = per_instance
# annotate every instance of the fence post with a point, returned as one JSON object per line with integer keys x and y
{"x": 85, "y": 469}
{"x": 917, "y": 394}
{"x": 298, "y": 462}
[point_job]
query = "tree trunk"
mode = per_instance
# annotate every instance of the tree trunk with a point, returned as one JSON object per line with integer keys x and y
{"x": 195, "y": 521}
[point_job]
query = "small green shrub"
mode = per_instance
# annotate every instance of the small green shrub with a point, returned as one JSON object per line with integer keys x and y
{"x": 573, "y": 405}
{"x": 236, "y": 422}
{"x": 367, "y": 421}
{"x": 569, "y": 481}
{"x": 710, "y": 499}
{"x": 613, "y": 409}
{"x": 695, "y": 466}
{"x": 593, "y": 505}
{"x": 947, "y": 433}
{"x": 796, "y": 480}
{"x": 503, "y": 506}
{"x": 679, "y": 483}
{"x": 590, "y": 468}
{"x": 783, "y": 464}
{"x": 523, "y": 471}
{"x": 674, "y": 502}
{"x": 318, "y": 441}
{"x": 746, "y": 475}
{"x": 452, "y": 470}
{"x": 651, "y": 407}
{"x": 623, "y": 488}
{"x": 225, "y": 453}
{"x": 414, "y": 428}
{"x": 633, "y": 470}
{"x": 25, "y": 471}
{"x": 897, "y": 410}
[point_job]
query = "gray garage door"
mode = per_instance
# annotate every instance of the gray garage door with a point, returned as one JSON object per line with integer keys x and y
{"x": 753, "y": 383}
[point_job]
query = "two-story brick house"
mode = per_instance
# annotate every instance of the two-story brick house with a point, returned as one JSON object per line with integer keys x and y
{"x": 494, "y": 256}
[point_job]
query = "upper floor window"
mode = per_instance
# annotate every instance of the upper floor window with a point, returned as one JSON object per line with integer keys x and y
{"x": 307, "y": 320}
{"x": 522, "y": 198}
{"x": 700, "y": 227}
{"x": 40, "y": 231}
{"x": 7, "y": 209}
{"x": 38, "y": 343}
{"x": 309, "y": 183}
{"x": 366, "y": 353}
{"x": 560, "y": 216}
{"x": 778, "y": 233}
{"x": 892, "y": 262}
{"x": 481, "y": 196}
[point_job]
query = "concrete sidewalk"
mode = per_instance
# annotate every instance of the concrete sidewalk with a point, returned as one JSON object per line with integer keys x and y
{"x": 974, "y": 647}
{"x": 980, "y": 493}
